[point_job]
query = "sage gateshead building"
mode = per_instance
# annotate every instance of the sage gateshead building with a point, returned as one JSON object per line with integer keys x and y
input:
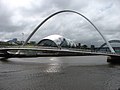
{"x": 56, "y": 41}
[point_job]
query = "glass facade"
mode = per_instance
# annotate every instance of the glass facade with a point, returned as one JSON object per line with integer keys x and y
{"x": 47, "y": 42}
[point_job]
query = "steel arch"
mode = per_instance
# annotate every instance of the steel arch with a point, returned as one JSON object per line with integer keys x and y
{"x": 111, "y": 49}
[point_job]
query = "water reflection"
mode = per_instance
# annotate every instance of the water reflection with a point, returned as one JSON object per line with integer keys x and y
{"x": 54, "y": 65}
{"x": 53, "y": 68}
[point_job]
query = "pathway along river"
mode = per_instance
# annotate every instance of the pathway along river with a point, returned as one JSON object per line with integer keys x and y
{"x": 59, "y": 73}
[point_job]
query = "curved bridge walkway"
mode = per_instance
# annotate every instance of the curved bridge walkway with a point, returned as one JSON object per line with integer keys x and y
{"x": 36, "y": 52}
{"x": 43, "y": 52}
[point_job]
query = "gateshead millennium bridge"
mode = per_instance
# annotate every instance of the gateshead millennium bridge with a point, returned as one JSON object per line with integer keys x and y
{"x": 7, "y": 52}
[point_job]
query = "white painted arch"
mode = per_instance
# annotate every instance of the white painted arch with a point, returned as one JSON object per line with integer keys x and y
{"x": 63, "y": 11}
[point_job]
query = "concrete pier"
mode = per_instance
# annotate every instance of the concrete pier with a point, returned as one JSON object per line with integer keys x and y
{"x": 113, "y": 59}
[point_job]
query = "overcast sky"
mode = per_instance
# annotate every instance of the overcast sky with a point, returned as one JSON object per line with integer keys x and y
{"x": 18, "y": 18}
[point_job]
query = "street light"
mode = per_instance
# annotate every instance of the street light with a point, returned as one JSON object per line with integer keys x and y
{"x": 22, "y": 38}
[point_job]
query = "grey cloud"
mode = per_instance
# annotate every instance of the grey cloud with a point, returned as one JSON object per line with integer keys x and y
{"x": 6, "y": 24}
{"x": 103, "y": 13}
{"x": 4, "y": 17}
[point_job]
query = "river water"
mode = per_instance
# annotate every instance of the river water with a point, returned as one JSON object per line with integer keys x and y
{"x": 59, "y": 73}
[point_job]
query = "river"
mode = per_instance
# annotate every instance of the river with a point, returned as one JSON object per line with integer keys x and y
{"x": 59, "y": 73}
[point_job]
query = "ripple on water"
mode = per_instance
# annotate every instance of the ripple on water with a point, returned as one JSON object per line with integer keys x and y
{"x": 59, "y": 73}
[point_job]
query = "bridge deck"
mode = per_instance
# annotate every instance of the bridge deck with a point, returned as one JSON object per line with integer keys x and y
{"x": 11, "y": 52}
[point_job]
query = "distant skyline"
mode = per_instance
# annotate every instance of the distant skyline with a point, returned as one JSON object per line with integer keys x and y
{"x": 20, "y": 17}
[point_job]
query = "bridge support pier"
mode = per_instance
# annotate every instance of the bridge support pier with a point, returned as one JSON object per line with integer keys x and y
{"x": 113, "y": 59}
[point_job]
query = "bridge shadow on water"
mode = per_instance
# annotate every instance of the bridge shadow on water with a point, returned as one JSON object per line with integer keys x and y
{"x": 71, "y": 60}
{"x": 4, "y": 59}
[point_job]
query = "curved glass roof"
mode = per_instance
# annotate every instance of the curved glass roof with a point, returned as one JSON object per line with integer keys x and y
{"x": 58, "y": 40}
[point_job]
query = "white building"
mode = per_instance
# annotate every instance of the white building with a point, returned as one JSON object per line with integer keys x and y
{"x": 56, "y": 41}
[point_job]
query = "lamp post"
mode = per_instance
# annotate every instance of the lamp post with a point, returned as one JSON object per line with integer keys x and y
{"x": 22, "y": 38}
